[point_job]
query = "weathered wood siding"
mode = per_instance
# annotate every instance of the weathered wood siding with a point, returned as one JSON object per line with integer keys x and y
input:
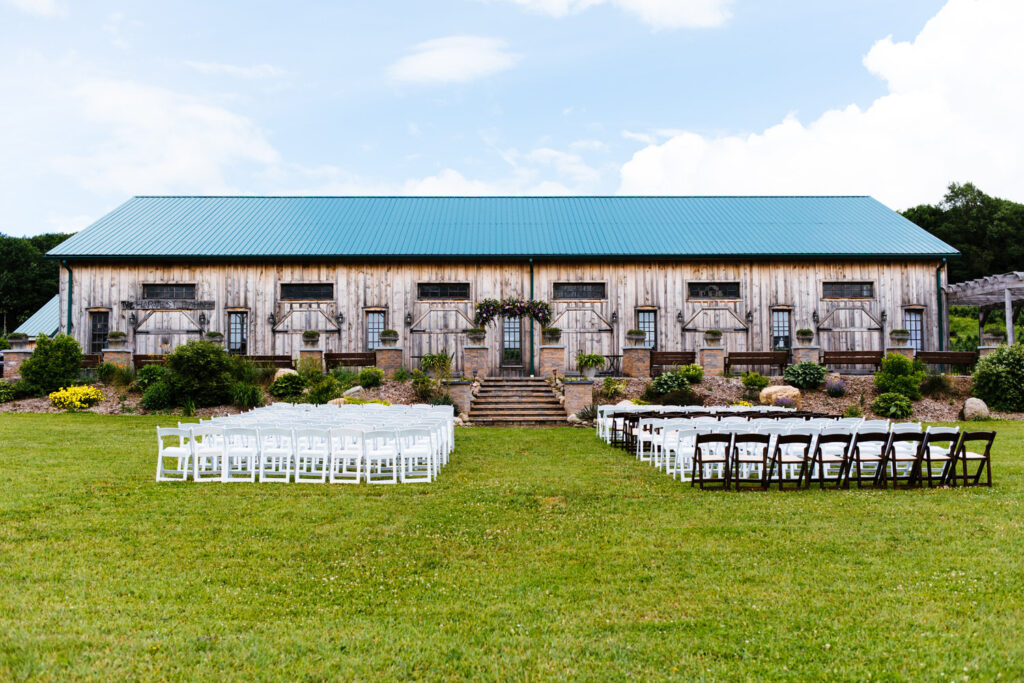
{"x": 438, "y": 325}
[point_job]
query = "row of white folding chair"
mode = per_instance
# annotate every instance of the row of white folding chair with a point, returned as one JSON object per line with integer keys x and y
{"x": 308, "y": 454}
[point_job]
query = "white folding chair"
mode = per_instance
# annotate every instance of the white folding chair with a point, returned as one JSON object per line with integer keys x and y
{"x": 347, "y": 455}
{"x": 207, "y": 452}
{"x": 381, "y": 449}
{"x": 172, "y": 461}
{"x": 416, "y": 455}
{"x": 241, "y": 452}
{"x": 312, "y": 454}
{"x": 277, "y": 454}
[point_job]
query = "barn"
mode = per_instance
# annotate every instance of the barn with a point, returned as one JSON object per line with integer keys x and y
{"x": 262, "y": 270}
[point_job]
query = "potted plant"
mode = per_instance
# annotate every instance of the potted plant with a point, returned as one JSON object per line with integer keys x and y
{"x": 388, "y": 337}
{"x": 636, "y": 337}
{"x": 899, "y": 337}
{"x": 19, "y": 341}
{"x": 805, "y": 336}
{"x": 588, "y": 363}
{"x": 551, "y": 335}
{"x": 990, "y": 337}
{"x": 215, "y": 336}
{"x": 311, "y": 338}
{"x": 476, "y": 335}
{"x": 117, "y": 339}
{"x": 712, "y": 337}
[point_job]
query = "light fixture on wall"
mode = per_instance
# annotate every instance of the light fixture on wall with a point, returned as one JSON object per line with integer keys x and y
{"x": 340, "y": 319}
{"x": 885, "y": 316}
{"x": 750, "y": 317}
{"x": 814, "y": 317}
{"x": 133, "y": 320}
{"x": 615, "y": 317}
{"x": 202, "y": 320}
{"x": 272, "y": 319}
{"x": 679, "y": 317}
{"x": 408, "y": 319}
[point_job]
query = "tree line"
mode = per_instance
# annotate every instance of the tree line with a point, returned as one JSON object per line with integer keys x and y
{"x": 27, "y": 280}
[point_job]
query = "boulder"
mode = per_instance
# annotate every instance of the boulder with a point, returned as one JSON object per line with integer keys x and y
{"x": 625, "y": 403}
{"x": 281, "y": 372}
{"x": 336, "y": 402}
{"x": 573, "y": 420}
{"x": 974, "y": 409}
{"x": 459, "y": 422}
{"x": 769, "y": 395}
{"x": 355, "y": 392}
{"x": 464, "y": 417}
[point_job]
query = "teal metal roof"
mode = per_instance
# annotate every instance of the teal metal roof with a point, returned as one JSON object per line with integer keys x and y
{"x": 500, "y": 227}
{"x": 46, "y": 320}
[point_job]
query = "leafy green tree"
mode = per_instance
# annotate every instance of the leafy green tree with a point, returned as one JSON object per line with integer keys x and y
{"x": 27, "y": 280}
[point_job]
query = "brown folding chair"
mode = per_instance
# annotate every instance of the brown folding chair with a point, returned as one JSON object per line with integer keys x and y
{"x": 965, "y": 456}
{"x": 790, "y": 449}
{"x": 749, "y": 450}
{"x": 713, "y": 450}
{"x": 831, "y": 450}
{"x": 868, "y": 452}
{"x": 939, "y": 448}
{"x": 903, "y": 459}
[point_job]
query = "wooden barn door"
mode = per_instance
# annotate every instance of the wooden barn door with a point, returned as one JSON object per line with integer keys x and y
{"x": 436, "y": 330}
{"x": 727, "y": 319}
{"x": 585, "y": 330}
{"x": 850, "y": 328}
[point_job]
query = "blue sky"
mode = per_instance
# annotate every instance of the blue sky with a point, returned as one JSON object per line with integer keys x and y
{"x": 104, "y": 100}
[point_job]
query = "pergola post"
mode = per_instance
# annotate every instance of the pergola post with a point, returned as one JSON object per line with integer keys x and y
{"x": 1008, "y": 302}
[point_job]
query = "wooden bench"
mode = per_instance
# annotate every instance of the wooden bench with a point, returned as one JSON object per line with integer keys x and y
{"x": 360, "y": 360}
{"x": 777, "y": 359}
{"x": 666, "y": 359}
{"x": 832, "y": 358}
{"x": 140, "y": 359}
{"x": 961, "y": 358}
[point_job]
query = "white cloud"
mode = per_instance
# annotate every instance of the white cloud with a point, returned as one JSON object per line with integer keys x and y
{"x": 566, "y": 164}
{"x": 157, "y": 140}
{"x": 251, "y": 72}
{"x": 60, "y": 223}
{"x": 40, "y": 8}
{"x": 660, "y": 14}
{"x": 952, "y": 112}
{"x": 589, "y": 145}
{"x": 455, "y": 59}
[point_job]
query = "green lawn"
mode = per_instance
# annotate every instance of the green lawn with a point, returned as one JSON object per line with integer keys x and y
{"x": 537, "y": 554}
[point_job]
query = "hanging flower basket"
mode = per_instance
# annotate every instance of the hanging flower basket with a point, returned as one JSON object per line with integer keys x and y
{"x": 488, "y": 310}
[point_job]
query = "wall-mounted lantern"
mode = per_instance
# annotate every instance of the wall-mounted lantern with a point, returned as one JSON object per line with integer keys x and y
{"x": 272, "y": 319}
{"x": 340, "y": 319}
{"x": 408, "y": 319}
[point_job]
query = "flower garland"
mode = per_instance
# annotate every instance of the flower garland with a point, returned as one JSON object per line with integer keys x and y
{"x": 490, "y": 309}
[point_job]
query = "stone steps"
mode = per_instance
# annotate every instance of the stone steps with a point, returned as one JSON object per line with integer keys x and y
{"x": 516, "y": 402}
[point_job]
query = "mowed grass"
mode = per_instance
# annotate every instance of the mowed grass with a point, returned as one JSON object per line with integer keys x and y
{"x": 538, "y": 554}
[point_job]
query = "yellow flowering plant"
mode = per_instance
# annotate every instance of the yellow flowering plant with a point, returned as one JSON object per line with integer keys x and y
{"x": 76, "y": 398}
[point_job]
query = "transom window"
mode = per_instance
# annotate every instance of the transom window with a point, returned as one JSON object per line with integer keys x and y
{"x": 443, "y": 290}
{"x": 320, "y": 291}
{"x": 714, "y": 290}
{"x": 168, "y": 291}
{"x": 848, "y": 290}
{"x": 579, "y": 290}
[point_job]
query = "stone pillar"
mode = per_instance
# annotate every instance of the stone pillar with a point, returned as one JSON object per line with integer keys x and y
{"x": 462, "y": 393}
{"x": 578, "y": 395}
{"x": 120, "y": 357}
{"x": 806, "y": 354}
{"x": 907, "y": 351}
{"x": 474, "y": 362}
{"x": 982, "y": 350}
{"x": 712, "y": 359}
{"x": 316, "y": 355}
{"x": 13, "y": 360}
{"x": 389, "y": 359}
{"x": 636, "y": 361}
{"x": 552, "y": 360}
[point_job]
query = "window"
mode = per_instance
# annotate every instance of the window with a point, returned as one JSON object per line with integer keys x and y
{"x": 374, "y": 326}
{"x": 780, "y": 330}
{"x": 714, "y": 290}
{"x": 578, "y": 290}
{"x": 238, "y": 332}
{"x": 648, "y": 322}
{"x": 304, "y": 292}
{"x": 511, "y": 342}
{"x": 443, "y": 290}
{"x": 848, "y": 290}
{"x": 168, "y": 291}
{"x": 913, "y": 320}
{"x": 99, "y": 325}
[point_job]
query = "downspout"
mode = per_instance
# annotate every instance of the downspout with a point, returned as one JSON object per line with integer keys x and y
{"x": 71, "y": 286}
{"x": 531, "y": 319}
{"x": 939, "y": 310}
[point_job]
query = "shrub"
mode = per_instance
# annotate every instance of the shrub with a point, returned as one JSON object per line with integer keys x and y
{"x": 4, "y": 344}
{"x": 806, "y": 375}
{"x": 402, "y": 375}
{"x": 423, "y": 386}
{"x": 999, "y": 378}
{"x": 613, "y": 388}
{"x": 105, "y": 372}
{"x": 754, "y": 382}
{"x": 346, "y": 377}
{"x": 439, "y": 363}
{"x": 17, "y": 336}
{"x": 22, "y": 389}
{"x": 6, "y": 392}
{"x": 309, "y": 370}
{"x": 287, "y": 387}
{"x": 585, "y": 361}
{"x": 835, "y": 387}
{"x": 310, "y": 336}
{"x": 265, "y": 374}
{"x": 372, "y": 377}
{"x": 853, "y": 410}
{"x": 693, "y": 373}
{"x": 937, "y": 384}
{"x": 324, "y": 390}
{"x": 214, "y": 335}
{"x": 242, "y": 369}
{"x": 893, "y": 405}
{"x": 898, "y": 374}
{"x": 247, "y": 395}
{"x": 54, "y": 363}
{"x": 75, "y": 398}
{"x": 784, "y": 402}
{"x": 148, "y": 375}
{"x": 352, "y": 400}
{"x": 681, "y": 397}
{"x": 445, "y": 399}
{"x": 587, "y": 413}
{"x": 199, "y": 372}
{"x": 157, "y": 396}
{"x": 668, "y": 382}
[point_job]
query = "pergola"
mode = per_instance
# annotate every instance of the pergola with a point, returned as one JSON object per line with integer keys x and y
{"x": 988, "y": 294}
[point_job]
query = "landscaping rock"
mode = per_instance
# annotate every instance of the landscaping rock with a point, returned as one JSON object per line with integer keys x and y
{"x": 459, "y": 422}
{"x": 355, "y": 392}
{"x": 281, "y": 372}
{"x": 769, "y": 395}
{"x": 464, "y": 417}
{"x": 624, "y": 404}
{"x": 336, "y": 402}
{"x": 573, "y": 420}
{"x": 974, "y": 409}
